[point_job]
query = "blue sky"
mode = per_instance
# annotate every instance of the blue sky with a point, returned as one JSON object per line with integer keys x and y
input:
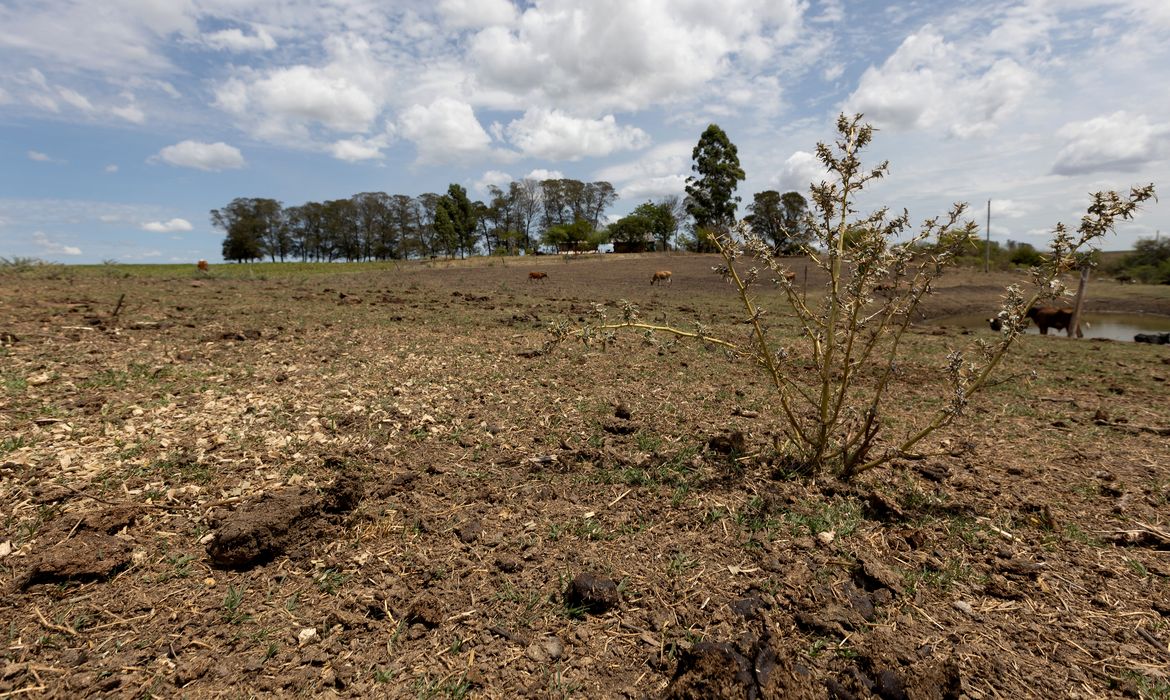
{"x": 124, "y": 122}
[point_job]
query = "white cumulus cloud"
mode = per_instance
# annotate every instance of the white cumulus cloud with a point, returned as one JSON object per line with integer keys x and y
{"x": 287, "y": 104}
{"x": 40, "y": 157}
{"x": 202, "y": 156}
{"x": 552, "y": 134}
{"x": 800, "y": 170}
{"x": 172, "y": 226}
{"x": 357, "y": 149}
{"x": 598, "y": 55}
{"x": 1118, "y": 142}
{"x": 932, "y": 82}
{"x": 444, "y": 130}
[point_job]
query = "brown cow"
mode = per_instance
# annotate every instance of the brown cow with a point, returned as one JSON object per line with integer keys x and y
{"x": 537, "y": 276}
{"x": 1052, "y": 317}
{"x": 202, "y": 265}
{"x": 662, "y": 276}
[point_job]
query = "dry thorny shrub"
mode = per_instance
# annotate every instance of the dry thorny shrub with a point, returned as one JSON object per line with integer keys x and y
{"x": 832, "y": 418}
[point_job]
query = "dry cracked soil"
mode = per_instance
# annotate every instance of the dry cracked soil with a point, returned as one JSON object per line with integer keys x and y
{"x": 372, "y": 482}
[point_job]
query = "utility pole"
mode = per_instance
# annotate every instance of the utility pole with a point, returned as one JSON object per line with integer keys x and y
{"x": 987, "y": 244}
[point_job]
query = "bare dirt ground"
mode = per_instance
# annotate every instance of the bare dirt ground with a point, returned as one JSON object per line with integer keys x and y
{"x": 367, "y": 485}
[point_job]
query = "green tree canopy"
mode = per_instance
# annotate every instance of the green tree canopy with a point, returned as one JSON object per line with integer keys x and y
{"x": 575, "y": 236}
{"x": 780, "y": 220}
{"x": 650, "y": 221}
{"x": 711, "y": 199}
{"x": 456, "y": 221}
{"x": 254, "y": 227}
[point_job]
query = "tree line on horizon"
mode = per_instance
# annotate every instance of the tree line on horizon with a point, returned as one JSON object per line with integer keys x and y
{"x": 526, "y": 216}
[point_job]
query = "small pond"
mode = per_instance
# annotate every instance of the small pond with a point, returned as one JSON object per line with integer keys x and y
{"x": 1101, "y": 325}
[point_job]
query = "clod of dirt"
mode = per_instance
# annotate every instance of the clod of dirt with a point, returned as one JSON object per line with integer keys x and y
{"x": 733, "y": 443}
{"x": 259, "y": 531}
{"x": 88, "y": 556}
{"x": 108, "y": 521}
{"x": 426, "y": 610}
{"x": 749, "y": 607}
{"x": 188, "y": 670}
{"x": 344, "y": 494}
{"x": 622, "y": 411}
{"x": 718, "y": 671}
{"x": 874, "y": 574}
{"x": 711, "y": 670}
{"x": 85, "y": 549}
{"x": 509, "y": 565}
{"x": 882, "y": 507}
{"x": 594, "y": 594}
{"x": 469, "y": 531}
{"x": 862, "y": 603}
{"x": 398, "y": 483}
{"x": 7, "y": 338}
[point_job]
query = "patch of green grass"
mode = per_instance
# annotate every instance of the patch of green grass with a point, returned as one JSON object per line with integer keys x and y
{"x": 754, "y": 516}
{"x": 180, "y": 567}
{"x": 714, "y": 515}
{"x": 572, "y": 612}
{"x": 528, "y": 602}
{"x": 28, "y": 528}
{"x": 1137, "y": 568}
{"x": 13, "y": 384}
{"x": 590, "y": 529}
{"x": 943, "y": 577}
{"x": 647, "y": 442}
{"x": 330, "y": 580}
{"x": 231, "y": 606}
{"x": 674, "y": 471}
{"x": 13, "y": 443}
{"x": 1074, "y": 533}
{"x": 838, "y": 515}
{"x": 1148, "y": 688}
{"x": 681, "y": 563}
{"x": 425, "y": 688}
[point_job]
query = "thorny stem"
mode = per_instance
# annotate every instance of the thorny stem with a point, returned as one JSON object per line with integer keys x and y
{"x": 765, "y": 355}
{"x": 673, "y": 331}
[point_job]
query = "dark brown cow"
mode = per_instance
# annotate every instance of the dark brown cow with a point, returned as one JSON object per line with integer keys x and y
{"x": 202, "y": 265}
{"x": 1047, "y": 317}
{"x": 537, "y": 276}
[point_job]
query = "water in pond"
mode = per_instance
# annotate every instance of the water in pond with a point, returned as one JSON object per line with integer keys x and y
{"x": 1101, "y": 325}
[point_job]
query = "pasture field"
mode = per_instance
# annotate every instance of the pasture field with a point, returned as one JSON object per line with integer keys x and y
{"x": 367, "y": 481}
